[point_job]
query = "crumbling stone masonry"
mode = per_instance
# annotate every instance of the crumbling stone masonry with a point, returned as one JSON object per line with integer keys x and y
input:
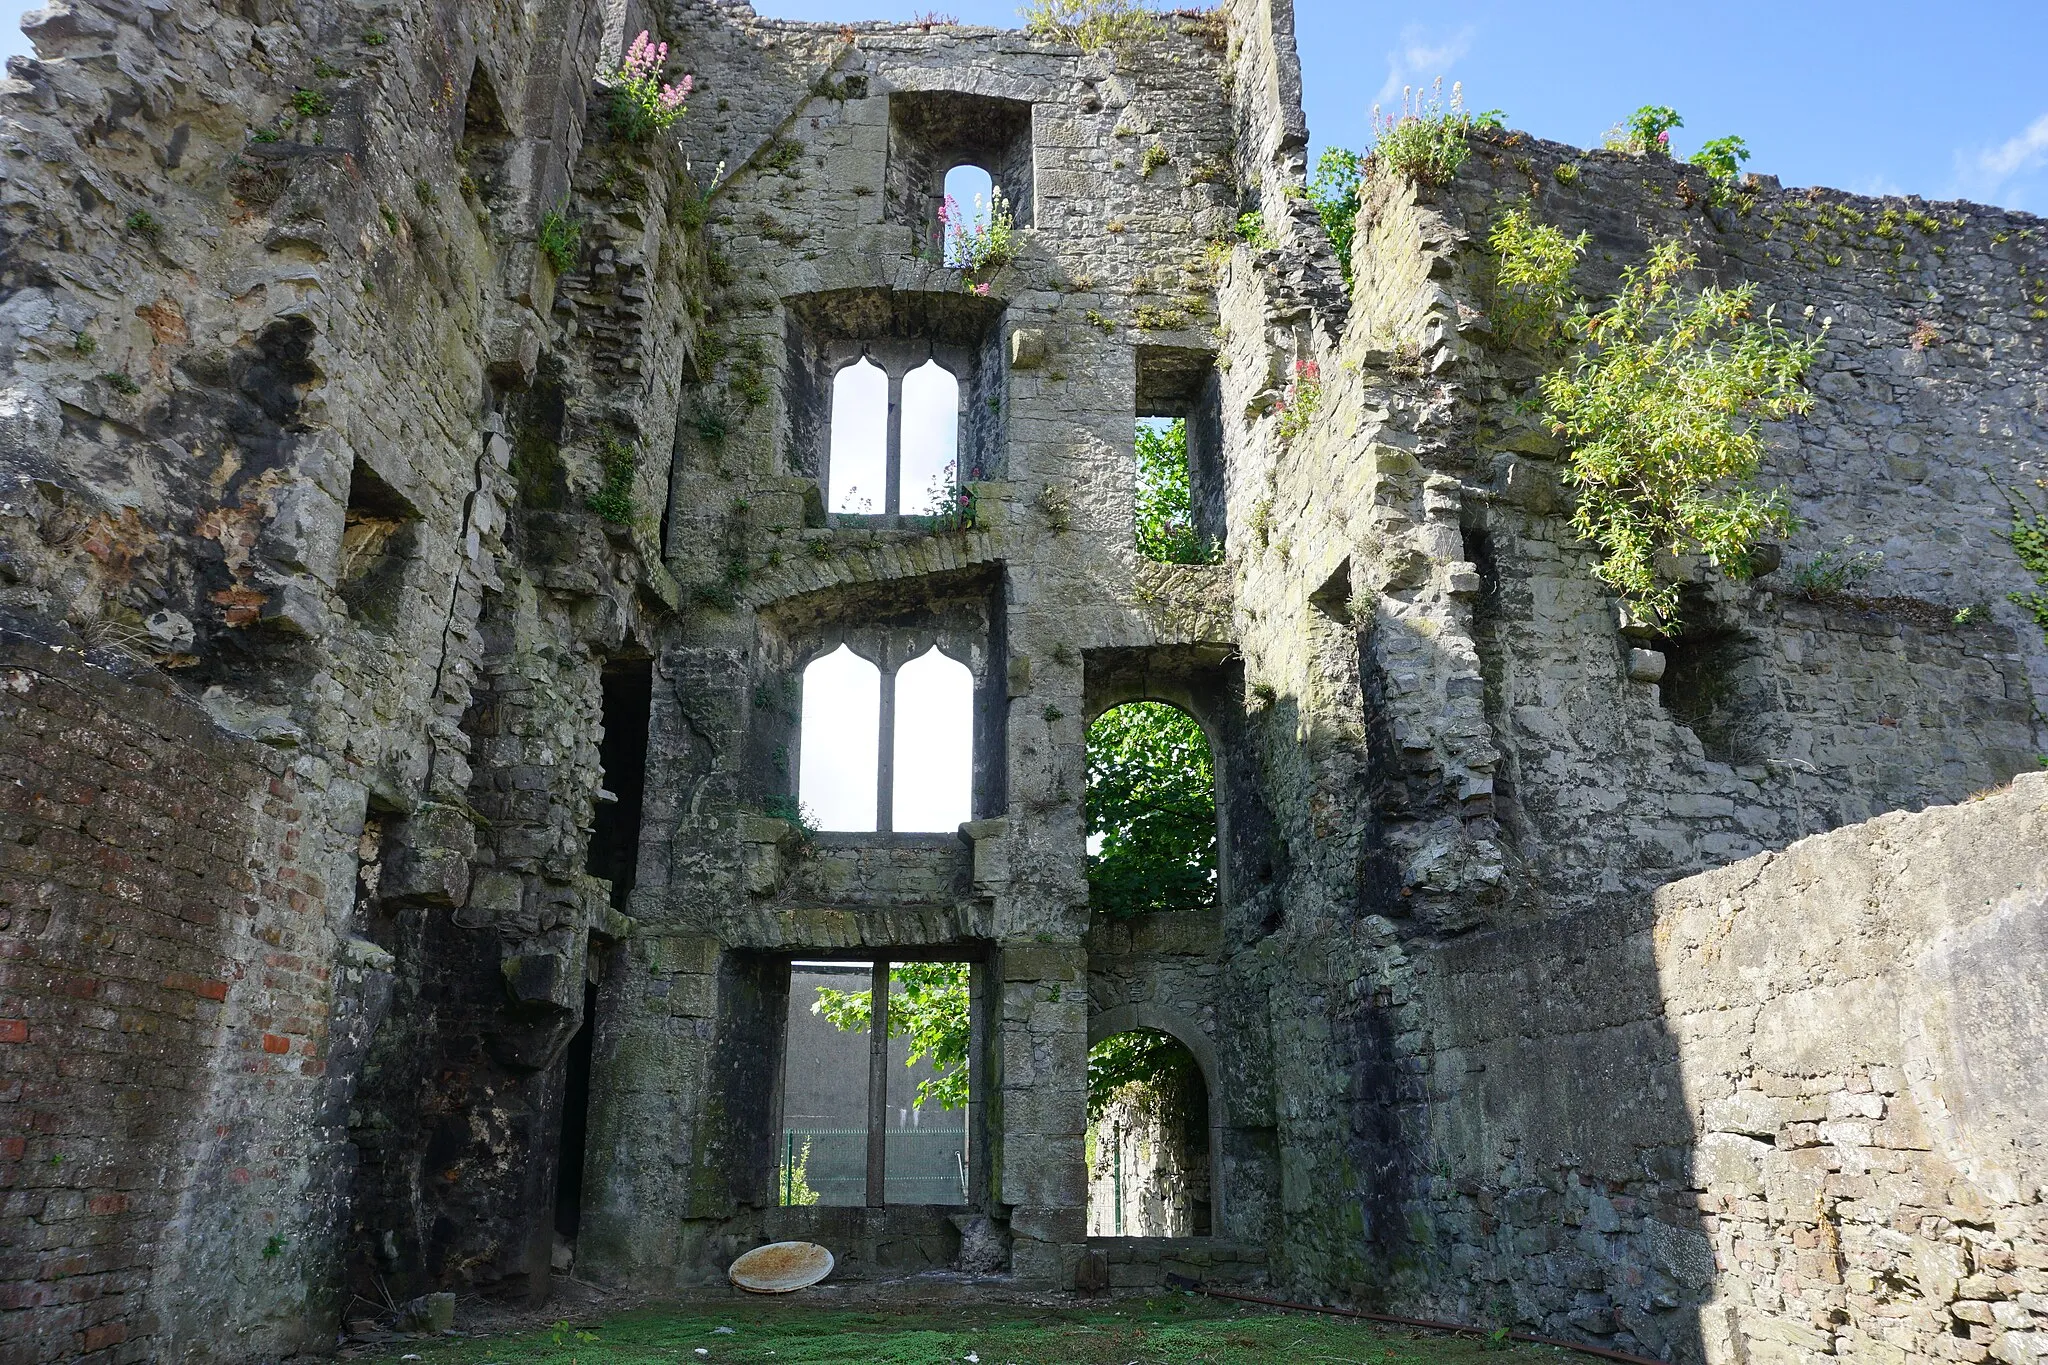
{"x": 391, "y": 891}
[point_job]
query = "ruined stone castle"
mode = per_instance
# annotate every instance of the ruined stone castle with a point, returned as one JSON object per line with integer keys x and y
{"x": 414, "y": 532}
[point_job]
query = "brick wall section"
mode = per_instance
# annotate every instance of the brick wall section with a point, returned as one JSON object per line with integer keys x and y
{"x": 132, "y": 993}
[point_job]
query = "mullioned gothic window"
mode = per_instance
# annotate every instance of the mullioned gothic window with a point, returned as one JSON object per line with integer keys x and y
{"x": 887, "y": 747}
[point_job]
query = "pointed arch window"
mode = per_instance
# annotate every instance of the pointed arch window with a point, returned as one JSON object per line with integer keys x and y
{"x": 841, "y": 741}
{"x": 931, "y": 439}
{"x": 862, "y": 404}
{"x": 933, "y": 759}
{"x": 895, "y": 442}
{"x": 887, "y": 748}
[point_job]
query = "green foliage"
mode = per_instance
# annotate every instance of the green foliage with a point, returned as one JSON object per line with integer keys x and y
{"x": 2028, "y": 537}
{"x": 1152, "y": 799}
{"x": 1832, "y": 572}
{"x": 1334, "y": 191}
{"x": 374, "y": 38}
{"x": 1646, "y": 132}
{"x": 1141, "y": 1057}
{"x": 1167, "y": 1329}
{"x": 1252, "y": 231}
{"x": 1532, "y": 278}
{"x": 84, "y": 344}
{"x": 959, "y": 510}
{"x": 930, "y": 1009}
{"x": 1091, "y": 24}
{"x": 1722, "y": 157}
{"x": 799, "y": 817}
{"x": 121, "y": 383}
{"x": 614, "y": 498}
{"x": 1153, "y": 158}
{"x": 711, "y": 424}
{"x": 560, "y": 239}
{"x": 274, "y": 1246}
{"x": 1164, "y": 514}
{"x": 793, "y": 1184}
{"x": 1566, "y": 173}
{"x": 311, "y": 103}
{"x": 1661, "y": 411}
{"x": 144, "y": 224}
{"x": 1427, "y": 140}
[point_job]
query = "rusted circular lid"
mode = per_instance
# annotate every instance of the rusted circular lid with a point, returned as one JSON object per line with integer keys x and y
{"x": 781, "y": 1267}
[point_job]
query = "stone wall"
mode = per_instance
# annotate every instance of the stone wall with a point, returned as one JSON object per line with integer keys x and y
{"x": 1786, "y": 1109}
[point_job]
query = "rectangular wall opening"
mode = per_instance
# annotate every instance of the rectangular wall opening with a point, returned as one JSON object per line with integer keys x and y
{"x": 614, "y": 852}
{"x": 869, "y": 1119}
{"x": 1180, "y": 423}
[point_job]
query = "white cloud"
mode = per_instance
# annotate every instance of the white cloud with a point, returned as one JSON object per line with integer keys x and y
{"x": 1420, "y": 59}
{"x": 1987, "y": 172}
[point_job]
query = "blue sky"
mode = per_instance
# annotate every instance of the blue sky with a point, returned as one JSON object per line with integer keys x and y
{"x": 1878, "y": 97}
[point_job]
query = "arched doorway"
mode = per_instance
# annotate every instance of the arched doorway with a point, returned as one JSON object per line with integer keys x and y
{"x": 1150, "y": 1144}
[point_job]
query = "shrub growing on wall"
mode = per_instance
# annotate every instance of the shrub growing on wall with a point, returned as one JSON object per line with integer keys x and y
{"x": 1660, "y": 406}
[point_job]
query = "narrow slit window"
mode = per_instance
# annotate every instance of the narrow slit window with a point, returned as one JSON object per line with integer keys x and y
{"x": 859, "y": 456}
{"x": 931, "y": 438}
{"x": 970, "y": 194}
{"x": 840, "y": 741}
{"x": 934, "y": 748}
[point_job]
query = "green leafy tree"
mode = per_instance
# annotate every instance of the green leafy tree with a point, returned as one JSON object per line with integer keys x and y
{"x": 1165, "y": 512}
{"x": 1334, "y": 191}
{"x": 930, "y": 1009}
{"x": 1661, "y": 411}
{"x": 1142, "y": 1057}
{"x": 1152, "y": 801}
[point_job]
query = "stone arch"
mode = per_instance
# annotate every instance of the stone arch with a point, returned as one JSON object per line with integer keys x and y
{"x": 1144, "y": 1014}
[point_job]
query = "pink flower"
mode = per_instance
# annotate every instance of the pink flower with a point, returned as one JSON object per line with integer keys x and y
{"x": 981, "y": 289}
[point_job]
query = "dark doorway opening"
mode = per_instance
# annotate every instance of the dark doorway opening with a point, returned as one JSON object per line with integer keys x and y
{"x": 615, "y": 839}
{"x": 575, "y": 1120}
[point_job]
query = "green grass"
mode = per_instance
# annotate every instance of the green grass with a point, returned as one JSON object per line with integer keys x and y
{"x": 1170, "y": 1330}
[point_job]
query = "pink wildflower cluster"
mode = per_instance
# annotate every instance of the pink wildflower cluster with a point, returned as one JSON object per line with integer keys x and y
{"x": 641, "y": 105}
{"x": 1304, "y": 394}
{"x": 971, "y": 242}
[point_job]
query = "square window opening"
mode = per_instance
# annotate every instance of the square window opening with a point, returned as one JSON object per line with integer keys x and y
{"x": 886, "y": 1112}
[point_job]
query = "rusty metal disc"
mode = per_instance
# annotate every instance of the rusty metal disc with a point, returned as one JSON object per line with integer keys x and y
{"x": 781, "y": 1267}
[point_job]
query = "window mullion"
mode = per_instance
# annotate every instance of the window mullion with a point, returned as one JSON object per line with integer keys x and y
{"x": 893, "y": 489}
{"x": 885, "y": 768}
{"x": 878, "y": 1083}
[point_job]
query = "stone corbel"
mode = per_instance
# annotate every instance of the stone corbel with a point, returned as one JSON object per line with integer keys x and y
{"x": 990, "y": 840}
{"x": 768, "y": 848}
